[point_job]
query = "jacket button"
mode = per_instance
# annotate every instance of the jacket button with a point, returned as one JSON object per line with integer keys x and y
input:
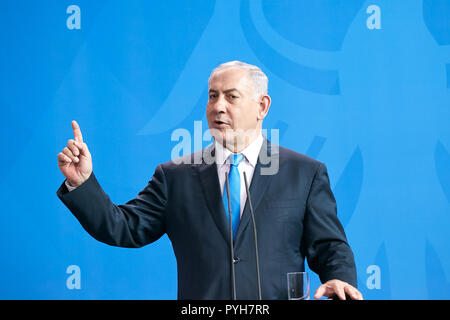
{"x": 236, "y": 260}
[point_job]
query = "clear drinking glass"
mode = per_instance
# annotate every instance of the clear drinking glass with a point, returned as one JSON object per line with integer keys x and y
{"x": 298, "y": 285}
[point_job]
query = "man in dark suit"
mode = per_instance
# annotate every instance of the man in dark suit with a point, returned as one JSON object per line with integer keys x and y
{"x": 295, "y": 211}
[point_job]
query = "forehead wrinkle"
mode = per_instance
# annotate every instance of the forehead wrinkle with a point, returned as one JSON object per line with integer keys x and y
{"x": 243, "y": 82}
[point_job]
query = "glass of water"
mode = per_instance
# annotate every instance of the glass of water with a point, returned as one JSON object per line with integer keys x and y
{"x": 298, "y": 285}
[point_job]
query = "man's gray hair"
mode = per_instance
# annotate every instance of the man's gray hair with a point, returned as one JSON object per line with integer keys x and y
{"x": 259, "y": 79}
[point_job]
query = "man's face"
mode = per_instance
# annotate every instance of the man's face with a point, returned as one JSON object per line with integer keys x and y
{"x": 233, "y": 112}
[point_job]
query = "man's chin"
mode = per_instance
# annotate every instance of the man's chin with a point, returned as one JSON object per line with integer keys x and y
{"x": 234, "y": 140}
{"x": 219, "y": 135}
{"x": 222, "y": 140}
{"x": 235, "y": 143}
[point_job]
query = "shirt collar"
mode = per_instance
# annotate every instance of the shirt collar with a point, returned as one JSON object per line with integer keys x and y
{"x": 251, "y": 152}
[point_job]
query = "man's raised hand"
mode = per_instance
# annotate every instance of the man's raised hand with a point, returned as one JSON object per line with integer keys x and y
{"x": 75, "y": 161}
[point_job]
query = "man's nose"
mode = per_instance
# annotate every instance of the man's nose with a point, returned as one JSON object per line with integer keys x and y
{"x": 221, "y": 104}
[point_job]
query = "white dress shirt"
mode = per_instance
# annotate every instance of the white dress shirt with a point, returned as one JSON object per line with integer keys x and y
{"x": 247, "y": 165}
{"x": 69, "y": 187}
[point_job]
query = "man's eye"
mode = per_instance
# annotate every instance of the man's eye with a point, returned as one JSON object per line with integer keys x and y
{"x": 212, "y": 96}
{"x": 232, "y": 96}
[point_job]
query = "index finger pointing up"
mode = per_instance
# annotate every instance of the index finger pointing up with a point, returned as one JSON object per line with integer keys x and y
{"x": 77, "y": 132}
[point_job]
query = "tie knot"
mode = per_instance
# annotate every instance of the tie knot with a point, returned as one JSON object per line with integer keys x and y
{"x": 235, "y": 159}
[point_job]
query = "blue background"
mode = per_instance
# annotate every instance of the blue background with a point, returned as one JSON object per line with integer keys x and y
{"x": 373, "y": 104}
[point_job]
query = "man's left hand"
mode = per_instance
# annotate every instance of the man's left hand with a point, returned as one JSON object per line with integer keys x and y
{"x": 339, "y": 288}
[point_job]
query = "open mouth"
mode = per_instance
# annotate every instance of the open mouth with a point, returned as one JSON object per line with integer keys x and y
{"x": 220, "y": 123}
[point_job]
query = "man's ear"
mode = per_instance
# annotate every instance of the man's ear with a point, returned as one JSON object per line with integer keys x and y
{"x": 264, "y": 106}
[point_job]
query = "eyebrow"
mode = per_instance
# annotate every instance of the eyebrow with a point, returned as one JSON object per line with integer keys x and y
{"x": 227, "y": 91}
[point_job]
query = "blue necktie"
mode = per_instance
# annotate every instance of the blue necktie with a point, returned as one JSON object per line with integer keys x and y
{"x": 235, "y": 192}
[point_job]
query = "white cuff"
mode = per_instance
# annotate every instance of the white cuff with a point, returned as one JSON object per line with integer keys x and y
{"x": 69, "y": 187}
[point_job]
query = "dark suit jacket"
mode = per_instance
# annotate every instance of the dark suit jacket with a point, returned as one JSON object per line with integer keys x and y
{"x": 295, "y": 214}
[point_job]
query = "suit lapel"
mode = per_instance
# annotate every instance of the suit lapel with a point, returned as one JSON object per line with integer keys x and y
{"x": 257, "y": 187}
{"x": 211, "y": 189}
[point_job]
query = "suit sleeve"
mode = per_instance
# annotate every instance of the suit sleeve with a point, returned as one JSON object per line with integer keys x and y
{"x": 325, "y": 243}
{"x": 134, "y": 224}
